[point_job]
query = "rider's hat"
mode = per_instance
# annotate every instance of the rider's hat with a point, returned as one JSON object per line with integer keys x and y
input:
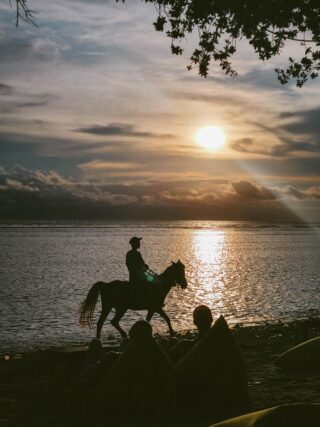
{"x": 133, "y": 240}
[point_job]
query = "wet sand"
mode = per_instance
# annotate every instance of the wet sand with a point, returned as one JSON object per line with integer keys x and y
{"x": 26, "y": 383}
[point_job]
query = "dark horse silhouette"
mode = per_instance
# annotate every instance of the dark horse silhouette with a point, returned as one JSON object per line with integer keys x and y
{"x": 118, "y": 295}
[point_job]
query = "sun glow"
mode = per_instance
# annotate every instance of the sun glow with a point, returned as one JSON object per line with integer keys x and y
{"x": 211, "y": 137}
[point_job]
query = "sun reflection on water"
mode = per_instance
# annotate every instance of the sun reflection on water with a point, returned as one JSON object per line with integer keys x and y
{"x": 209, "y": 254}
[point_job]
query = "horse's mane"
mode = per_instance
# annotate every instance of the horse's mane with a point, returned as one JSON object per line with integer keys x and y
{"x": 173, "y": 265}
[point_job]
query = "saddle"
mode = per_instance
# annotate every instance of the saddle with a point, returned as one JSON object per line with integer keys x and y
{"x": 143, "y": 294}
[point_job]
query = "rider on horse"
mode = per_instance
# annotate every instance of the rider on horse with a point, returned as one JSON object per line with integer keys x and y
{"x": 140, "y": 277}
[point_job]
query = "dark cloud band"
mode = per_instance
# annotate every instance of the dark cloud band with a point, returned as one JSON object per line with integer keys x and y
{"x": 24, "y": 191}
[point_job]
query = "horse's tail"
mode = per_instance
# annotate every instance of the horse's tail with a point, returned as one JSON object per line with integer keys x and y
{"x": 88, "y": 305}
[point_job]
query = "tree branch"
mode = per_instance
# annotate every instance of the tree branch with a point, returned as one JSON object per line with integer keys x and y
{"x": 291, "y": 38}
{"x": 23, "y": 12}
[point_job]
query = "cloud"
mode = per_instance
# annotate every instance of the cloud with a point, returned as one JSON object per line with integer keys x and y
{"x": 119, "y": 129}
{"x": 35, "y": 192}
{"x": 36, "y": 45}
{"x": 13, "y": 185}
{"x": 297, "y": 194}
{"x": 105, "y": 165}
{"x": 298, "y": 133}
{"x": 150, "y": 160}
{"x": 303, "y": 123}
{"x": 15, "y": 98}
{"x": 268, "y": 132}
{"x": 262, "y": 78}
{"x": 31, "y": 104}
{"x": 296, "y": 137}
{"x": 121, "y": 160}
{"x": 217, "y": 98}
{"x": 2, "y": 171}
{"x": 96, "y": 168}
{"x": 293, "y": 147}
{"x": 248, "y": 191}
{"x": 242, "y": 145}
{"x": 50, "y": 187}
{"x": 6, "y": 89}
{"x": 309, "y": 193}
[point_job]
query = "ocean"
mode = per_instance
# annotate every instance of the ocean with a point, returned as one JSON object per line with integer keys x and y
{"x": 250, "y": 272}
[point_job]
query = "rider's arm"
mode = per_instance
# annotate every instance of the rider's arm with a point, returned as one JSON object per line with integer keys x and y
{"x": 143, "y": 263}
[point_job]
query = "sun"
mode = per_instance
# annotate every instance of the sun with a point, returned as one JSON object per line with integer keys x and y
{"x": 211, "y": 137}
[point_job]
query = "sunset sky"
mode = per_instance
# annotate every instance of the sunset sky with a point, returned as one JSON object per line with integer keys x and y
{"x": 98, "y": 120}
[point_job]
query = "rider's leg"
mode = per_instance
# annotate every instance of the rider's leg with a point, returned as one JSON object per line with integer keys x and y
{"x": 115, "y": 321}
{"x": 167, "y": 319}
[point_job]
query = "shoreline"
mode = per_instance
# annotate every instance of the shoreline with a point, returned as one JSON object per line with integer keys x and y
{"x": 114, "y": 340}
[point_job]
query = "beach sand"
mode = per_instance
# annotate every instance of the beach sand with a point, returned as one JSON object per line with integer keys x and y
{"x": 26, "y": 383}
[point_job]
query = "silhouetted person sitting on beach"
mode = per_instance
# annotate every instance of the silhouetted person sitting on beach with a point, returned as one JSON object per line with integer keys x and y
{"x": 138, "y": 272}
{"x": 141, "y": 381}
{"x": 140, "y": 328}
{"x": 202, "y": 319}
{"x": 97, "y": 362}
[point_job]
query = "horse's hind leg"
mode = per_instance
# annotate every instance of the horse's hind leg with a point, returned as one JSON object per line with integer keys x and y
{"x": 115, "y": 321}
{"x": 104, "y": 313}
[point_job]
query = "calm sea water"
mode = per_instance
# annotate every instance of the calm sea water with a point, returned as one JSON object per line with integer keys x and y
{"x": 250, "y": 272}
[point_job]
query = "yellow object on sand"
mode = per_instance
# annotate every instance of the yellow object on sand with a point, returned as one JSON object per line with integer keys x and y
{"x": 303, "y": 356}
{"x": 295, "y": 415}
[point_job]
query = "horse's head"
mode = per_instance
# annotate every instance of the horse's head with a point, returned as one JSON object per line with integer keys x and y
{"x": 178, "y": 273}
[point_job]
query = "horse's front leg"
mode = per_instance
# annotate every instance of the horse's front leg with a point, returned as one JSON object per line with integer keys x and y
{"x": 149, "y": 315}
{"x": 164, "y": 316}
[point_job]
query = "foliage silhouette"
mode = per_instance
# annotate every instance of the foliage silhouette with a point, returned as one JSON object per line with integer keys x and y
{"x": 221, "y": 23}
{"x": 266, "y": 26}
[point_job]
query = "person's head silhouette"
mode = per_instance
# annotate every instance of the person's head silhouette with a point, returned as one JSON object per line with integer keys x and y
{"x": 140, "y": 328}
{"x": 135, "y": 242}
{"x": 202, "y": 318}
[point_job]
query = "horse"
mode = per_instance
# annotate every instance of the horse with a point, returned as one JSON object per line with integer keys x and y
{"x": 117, "y": 295}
